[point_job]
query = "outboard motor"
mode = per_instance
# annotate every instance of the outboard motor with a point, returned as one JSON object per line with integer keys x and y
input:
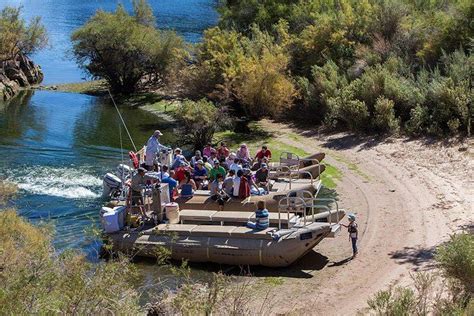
{"x": 123, "y": 171}
{"x": 166, "y": 157}
{"x": 111, "y": 185}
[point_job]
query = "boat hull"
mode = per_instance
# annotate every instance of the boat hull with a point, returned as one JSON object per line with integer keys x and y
{"x": 233, "y": 250}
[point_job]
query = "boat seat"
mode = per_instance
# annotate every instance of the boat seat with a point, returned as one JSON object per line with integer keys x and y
{"x": 232, "y": 217}
{"x": 211, "y": 231}
{"x": 202, "y": 192}
{"x": 196, "y": 215}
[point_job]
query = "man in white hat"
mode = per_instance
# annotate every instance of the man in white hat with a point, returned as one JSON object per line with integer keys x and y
{"x": 153, "y": 147}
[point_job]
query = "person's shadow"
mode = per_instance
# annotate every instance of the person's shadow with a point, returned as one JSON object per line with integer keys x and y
{"x": 341, "y": 262}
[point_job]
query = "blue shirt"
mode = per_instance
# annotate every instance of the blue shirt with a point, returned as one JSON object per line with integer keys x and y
{"x": 172, "y": 184}
{"x": 200, "y": 172}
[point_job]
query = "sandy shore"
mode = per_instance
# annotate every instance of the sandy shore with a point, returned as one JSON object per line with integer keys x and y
{"x": 409, "y": 196}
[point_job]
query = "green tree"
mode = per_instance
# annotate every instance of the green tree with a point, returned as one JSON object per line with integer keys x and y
{"x": 126, "y": 50}
{"x": 17, "y": 37}
{"x": 199, "y": 121}
{"x": 143, "y": 13}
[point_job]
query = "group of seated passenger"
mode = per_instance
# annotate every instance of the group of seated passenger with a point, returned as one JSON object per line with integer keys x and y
{"x": 218, "y": 170}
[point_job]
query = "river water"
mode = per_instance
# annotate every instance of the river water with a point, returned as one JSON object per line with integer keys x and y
{"x": 57, "y": 146}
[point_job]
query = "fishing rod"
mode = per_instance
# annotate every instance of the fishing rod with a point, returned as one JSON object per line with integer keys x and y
{"x": 123, "y": 122}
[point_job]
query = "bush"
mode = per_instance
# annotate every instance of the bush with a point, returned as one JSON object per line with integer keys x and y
{"x": 398, "y": 301}
{"x": 384, "y": 116}
{"x": 16, "y": 37}
{"x": 7, "y": 192}
{"x": 249, "y": 73}
{"x": 456, "y": 260}
{"x": 35, "y": 280}
{"x": 125, "y": 49}
{"x": 452, "y": 295}
{"x": 199, "y": 121}
{"x": 262, "y": 86}
{"x": 348, "y": 54}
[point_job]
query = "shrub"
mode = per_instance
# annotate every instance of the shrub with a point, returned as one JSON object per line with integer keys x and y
{"x": 263, "y": 88}
{"x": 124, "y": 49}
{"x": 16, "y": 37}
{"x": 384, "y": 115}
{"x": 453, "y": 295}
{"x": 398, "y": 301}
{"x": 7, "y": 191}
{"x": 36, "y": 280}
{"x": 456, "y": 260}
{"x": 419, "y": 118}
{"x": 199, "y": 121}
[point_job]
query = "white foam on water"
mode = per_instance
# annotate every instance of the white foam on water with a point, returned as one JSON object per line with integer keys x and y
{"x": 68, "y": 183}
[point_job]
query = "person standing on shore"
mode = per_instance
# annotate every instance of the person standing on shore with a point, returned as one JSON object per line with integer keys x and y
{"x": 353, "y": 233}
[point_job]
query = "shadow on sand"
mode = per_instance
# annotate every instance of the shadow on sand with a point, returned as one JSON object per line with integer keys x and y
{"x": 420, "y": 258}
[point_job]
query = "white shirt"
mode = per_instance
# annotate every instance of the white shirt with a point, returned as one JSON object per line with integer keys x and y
{"x": 153, "y": 146}
{"x": 236, "y": 186}
{"x": 235, "y": 167}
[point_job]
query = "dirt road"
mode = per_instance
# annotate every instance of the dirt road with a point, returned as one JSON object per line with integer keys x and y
{"x": 409, "y": 196}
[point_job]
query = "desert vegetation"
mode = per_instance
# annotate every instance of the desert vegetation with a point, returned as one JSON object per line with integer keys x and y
{"x": 448, "y": 291}
{"x": 17, "y": 37}
{"x": 126, "y": 49}
{"x": 370, "y": 66}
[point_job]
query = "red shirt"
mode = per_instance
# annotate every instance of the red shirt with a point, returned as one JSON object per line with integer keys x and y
{"x": 179, "y": 174}
{"x": 260, "y": 154}
{"x": 223, "y": 152}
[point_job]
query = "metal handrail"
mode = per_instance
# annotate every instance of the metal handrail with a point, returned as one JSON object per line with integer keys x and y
{"x": 287, "y": 153}
{"x": 288, "y": 209}
{"x": 291, "y": 201}
{"x": 301, "y": 172}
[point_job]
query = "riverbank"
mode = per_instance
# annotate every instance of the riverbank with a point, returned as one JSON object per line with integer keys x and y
{"x": 409, "y": 195}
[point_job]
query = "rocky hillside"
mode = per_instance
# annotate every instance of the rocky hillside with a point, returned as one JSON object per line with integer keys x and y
{"x": 17, "y": 74}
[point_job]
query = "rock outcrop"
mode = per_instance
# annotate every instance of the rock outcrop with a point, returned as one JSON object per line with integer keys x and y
{"x": 16, "y": 74}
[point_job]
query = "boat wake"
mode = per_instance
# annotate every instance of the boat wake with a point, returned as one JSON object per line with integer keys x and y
{"x": 67, "y": 183}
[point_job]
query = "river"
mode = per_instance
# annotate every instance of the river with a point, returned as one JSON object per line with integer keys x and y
{"x": 57, "y": 146}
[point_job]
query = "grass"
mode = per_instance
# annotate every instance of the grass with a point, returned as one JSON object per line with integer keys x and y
{"x": 94, "y": 87}
{"x": 275, "y": 281}
{"x": 331, "y": 176}
{"x": 162, "y": 107}
{"x": 352, "y": 166}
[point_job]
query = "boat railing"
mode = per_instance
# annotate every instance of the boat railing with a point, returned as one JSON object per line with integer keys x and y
{"x": 298, "y": 173}
{"x": 291, "y": 205}
{"x": 305, "y": 194}
{"x": 306, "y": 203}
{"x": 323, "y": 203}
{"x": 289, "y": 159}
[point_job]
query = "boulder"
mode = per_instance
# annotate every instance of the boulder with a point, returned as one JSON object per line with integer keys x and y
{"x": 16, "y": 74}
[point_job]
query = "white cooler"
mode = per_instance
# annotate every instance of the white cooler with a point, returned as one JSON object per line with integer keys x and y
{"x": 112, "y": 220}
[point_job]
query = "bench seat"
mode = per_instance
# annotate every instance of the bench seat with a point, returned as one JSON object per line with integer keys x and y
{"x": 210, "y": 231}
{"x": 231, "y": 217}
